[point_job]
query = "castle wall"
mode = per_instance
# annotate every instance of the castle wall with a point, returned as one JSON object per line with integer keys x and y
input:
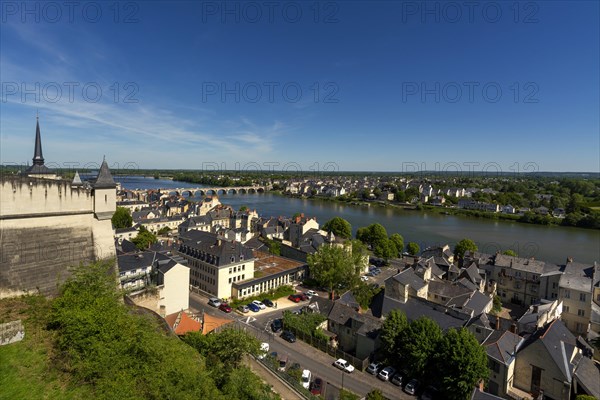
{"x": 45, "y": 227}
{"x": 20, "y": 197}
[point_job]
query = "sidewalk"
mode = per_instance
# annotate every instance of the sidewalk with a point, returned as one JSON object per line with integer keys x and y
{"x": 268, "y": 377}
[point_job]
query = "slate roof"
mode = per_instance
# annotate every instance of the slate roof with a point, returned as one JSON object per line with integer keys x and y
{"x": 415, "y": 308}
{"x": 410, "y": 278}
{"x": 502, "y": 346}
{"x": 588, "y": 376}
{"x": 518, "y": 263}
{"x": 559, "y": 343}
{"x": 209, "y": 248}
{"x": 104, "y": 179}
{"x": 131, "y": 262}
{"x": 577, "y": 276}
{"x": 347, "y": 316}
{"x": 323, "y": 305}
{"x": 38, "y": 166}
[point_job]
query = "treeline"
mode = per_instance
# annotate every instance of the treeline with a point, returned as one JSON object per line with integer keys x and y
{"x": 102, "y": 343}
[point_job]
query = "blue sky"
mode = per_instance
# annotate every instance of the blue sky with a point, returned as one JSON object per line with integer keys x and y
{"x": 356, "y": 85}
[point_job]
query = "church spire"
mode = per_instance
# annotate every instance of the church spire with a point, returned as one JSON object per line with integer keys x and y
{"x": 38, "y": 158}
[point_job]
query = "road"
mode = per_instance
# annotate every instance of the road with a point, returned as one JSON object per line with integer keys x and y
{"x": 318, "y": 362}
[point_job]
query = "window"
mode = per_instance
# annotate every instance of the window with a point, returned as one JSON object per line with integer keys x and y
{"x": 580, "y": 313}
{"x": 567, "y": 294}
{"x": 582, "y": 297}
{"x": 566, "y": 308}
{"x": 578, "y": 327}
{"x": 229, "y": 280}
{"x": 230, "y": 270}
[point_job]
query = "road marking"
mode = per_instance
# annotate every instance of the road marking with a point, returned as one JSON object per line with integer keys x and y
{"x": 249, "y": 320}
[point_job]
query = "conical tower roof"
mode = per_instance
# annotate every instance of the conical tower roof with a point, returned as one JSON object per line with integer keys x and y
{"x": 104, "y": 179}
{"x": 76, "y": 180}
{"x": 38, "y": 167}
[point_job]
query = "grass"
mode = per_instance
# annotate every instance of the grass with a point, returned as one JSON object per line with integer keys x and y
{"x": 26, "y": 370}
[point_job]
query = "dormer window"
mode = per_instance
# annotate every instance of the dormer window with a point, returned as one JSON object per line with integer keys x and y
{"x": 241, "y": 257}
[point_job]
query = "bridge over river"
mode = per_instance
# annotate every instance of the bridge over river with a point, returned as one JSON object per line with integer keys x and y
{"x": 205, "y": 191}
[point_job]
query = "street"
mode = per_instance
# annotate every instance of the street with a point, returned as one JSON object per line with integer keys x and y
{"x": 319, "y": 363}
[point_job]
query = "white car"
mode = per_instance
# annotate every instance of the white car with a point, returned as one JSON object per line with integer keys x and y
{"x": 259, "y": 304}
{"x": 343, "y": 365}
{"x": 386, "y": 373}
{"x": 364, "y": 278}
{"x": 306, "y": 377}
{"x": 264, "y": 350}
{"x": 214, "y": 302}
{"x": 311, "y": 293}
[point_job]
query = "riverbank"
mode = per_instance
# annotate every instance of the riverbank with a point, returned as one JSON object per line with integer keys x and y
{"x": 528, "y": 218}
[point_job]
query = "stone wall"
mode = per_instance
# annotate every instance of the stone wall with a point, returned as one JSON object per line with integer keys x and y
{"x": 45, "y": 227}
{"x": 11, "y": 332}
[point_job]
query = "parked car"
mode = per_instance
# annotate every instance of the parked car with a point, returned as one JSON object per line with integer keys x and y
{"x": 268, "y": 303}
{"x": 297, "y": 312}
{"x": 317, "y": 386}
{"x": 311, "y": 293}
{"x": 343, "y": 365}
{"x": 253, "y": 307}
{"x": 259, "y": 304}
{"x": 225, "y": 308}
{"x": 364, "y": 278}
{"x": 397, "y": 379}
{"x": 243, "y": 308}
{"x": 306, "y": 377}
{"x": 412, "y": 387}
{"x": 295, "y": 298}
{"x": 374, "y": 368}
{"x": 277, "y": 325}
{"x": 264, "y": 349}
{"x": 282, "y": 364}
{"x": 386, "y": 373}
{"x": 214, "y": 302}
{"x": 288, "y": 336}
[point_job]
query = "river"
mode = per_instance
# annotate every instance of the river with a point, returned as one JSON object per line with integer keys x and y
{"x": 549, "y": 243}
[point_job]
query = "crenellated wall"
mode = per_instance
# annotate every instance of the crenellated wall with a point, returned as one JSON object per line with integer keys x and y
{"x": 45, "y": 227}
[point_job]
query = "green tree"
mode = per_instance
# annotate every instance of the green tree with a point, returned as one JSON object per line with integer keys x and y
{"x": 274, "y": 247}
{"x": 347, "y": 395}
{"x": 121, "y": 218}
{"x": 394, "y": 325}
{"x": 386, "y": 249}
{"x": 242, "y": 383}
{"x": 164, "y": 230}
{"x": 372, "y": 234}
{"x": 412, "y": 248}
{"x": 227, "y": 347}
{"x": 463, "y": 246}
{"x": 375, "y": 394}
{"x": 331, "y": 266}
{"x": 497, "y": 307}
{"x": 144, "y": 239}
{"x": 243, "y": 208}
{"x": 339, "y": 227}
{"x": 398, "y": 241}
{"x": 510, "y": 252}
{"x": 419, "y": 343}
{"x": 463, "y": 361}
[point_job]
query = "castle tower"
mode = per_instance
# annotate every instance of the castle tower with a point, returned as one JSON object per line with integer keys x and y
{"x": 105, "y": 193}
{"x": 38, "y": 169}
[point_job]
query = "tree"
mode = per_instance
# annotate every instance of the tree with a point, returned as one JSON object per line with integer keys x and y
{"x": 394, "y": 325}
{"x": 243, "y": 208}
{"x": 339, "y": 227}
{"x": 347, "y": 395}
{"x": 412, "y": 248}
{"x": 274, "y": 247}
{"x": 372, "y": 234}
{"x": 398, "y": 241}
{"x": 509, "y": 252}
{"x": 385, "y": 249}
{"x": 331, "y": 266}
{"x": 463, "y": 361}
{"x": 163, "y": 231}
{"x": 144, "y": 239}
{"x": 121, "y": 218}
{"x": 419, "y": 343}
{"x": 227, "y": 347}
{"x": 497, "y": 307}
{"x": 463, "y": 246}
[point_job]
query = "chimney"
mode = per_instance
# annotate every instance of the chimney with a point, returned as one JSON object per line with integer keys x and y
{"x": 513, "y": 328}
{"x": 497, "y": 323}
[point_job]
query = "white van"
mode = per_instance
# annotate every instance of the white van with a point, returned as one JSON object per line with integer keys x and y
{"x": 306, "y": 377}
